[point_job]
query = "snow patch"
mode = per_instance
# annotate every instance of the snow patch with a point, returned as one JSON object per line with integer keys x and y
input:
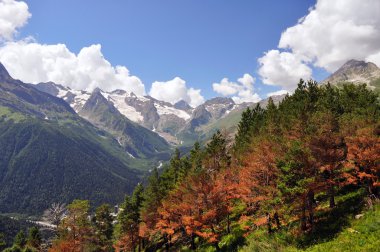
{"x": 128, "y": 111}
{"x": 165, "y": 110}
{"x": 159, "y": 165}
{"x": 129, "y": 154}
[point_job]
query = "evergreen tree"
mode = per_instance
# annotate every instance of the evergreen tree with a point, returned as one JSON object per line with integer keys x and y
{"x": 20, "y": 239}
{"x": 196, "y": 156}
{"x": 34, "y": 238}
{"x": 2, "y": 240}
{"x": 296, "y": 181}
{"x": 217, "y": 156}
{"x": 103, "y": 227}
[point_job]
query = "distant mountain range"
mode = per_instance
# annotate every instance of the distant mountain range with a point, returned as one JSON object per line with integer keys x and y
{"x": 58, "y": 144}
{"x": 179, "y": 123}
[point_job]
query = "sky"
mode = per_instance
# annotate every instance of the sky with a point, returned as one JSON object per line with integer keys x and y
{"x": 188, "y": 50}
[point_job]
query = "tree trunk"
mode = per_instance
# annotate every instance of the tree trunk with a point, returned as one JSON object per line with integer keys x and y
{"x": 269, "y": 223}
{"x": 303, "y": 216}
{"x": 166, "y": 243}
{"x": 192, "y": 241}
{"x": 277, "y": 220}
{"x": 228, "y": 224}
{"x": 310, "y": 203}
{"x": 332, "y": 196}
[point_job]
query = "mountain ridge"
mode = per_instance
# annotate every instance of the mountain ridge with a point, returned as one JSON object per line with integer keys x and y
{"x": 357, "y": 72}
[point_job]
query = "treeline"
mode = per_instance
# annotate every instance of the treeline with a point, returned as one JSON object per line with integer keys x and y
{"x": 32, "y": 242}
{"x": 288, "y": 162}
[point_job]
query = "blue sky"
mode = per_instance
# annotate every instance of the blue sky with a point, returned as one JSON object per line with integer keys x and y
{"x": 199, "y": 41}
{"x": 182, "y": 49}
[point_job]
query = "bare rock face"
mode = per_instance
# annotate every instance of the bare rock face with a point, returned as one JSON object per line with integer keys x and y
{"x": 355, "y": 71}
{"x": 183, "y": 105}
{"x": 200, "y": 116}
{"x": 218, "y": 106}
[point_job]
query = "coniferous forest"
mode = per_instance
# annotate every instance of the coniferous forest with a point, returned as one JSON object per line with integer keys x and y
{"x": 300, "y": 175}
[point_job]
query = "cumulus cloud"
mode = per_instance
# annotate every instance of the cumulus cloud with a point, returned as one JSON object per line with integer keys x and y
{"x": 283, "y": 68}
{"x": 332, "y": 33}
{"x": 33, "y": 62}
{"x": 13, "y": 15}
{"x": 242, "y": 90}
{"x": 175, "y": 90}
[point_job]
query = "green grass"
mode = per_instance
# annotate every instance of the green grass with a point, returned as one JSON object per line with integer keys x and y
{"x": 362, "y": 235}
{"x": 7, "y": 114}
{"x": 337, "y": 230}
{"x": 228, "y": 123}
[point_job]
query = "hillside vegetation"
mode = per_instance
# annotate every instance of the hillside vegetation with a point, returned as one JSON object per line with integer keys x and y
{"x": 295, "y": 178}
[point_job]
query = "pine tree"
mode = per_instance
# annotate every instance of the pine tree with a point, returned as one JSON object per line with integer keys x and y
{"x": 20, "y": 239}
{"x": 216, "y": 156}
{"x": 296, "y": 182}
{"x": 34, "y": 238}
{"x": 103, "y": 227}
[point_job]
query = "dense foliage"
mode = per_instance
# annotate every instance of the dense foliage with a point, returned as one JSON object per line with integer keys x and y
{"x": 296, "y": 169}
{"x": 44, "y": 162}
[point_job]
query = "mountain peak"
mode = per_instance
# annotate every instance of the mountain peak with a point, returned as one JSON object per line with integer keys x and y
{"x": 356, "y": 71}
{"x": 219, "y": 100}
{"x": 358, "y": 64}
{"x": 183, "y": 105}
{"x": 4, "y": 75}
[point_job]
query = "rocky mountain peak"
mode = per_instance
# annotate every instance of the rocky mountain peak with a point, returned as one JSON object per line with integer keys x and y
{"x": 219, "y": 100}
{"x": 355, "y": 71}
{"x": 182, "y": 105}
{"x": 4, "y": 75}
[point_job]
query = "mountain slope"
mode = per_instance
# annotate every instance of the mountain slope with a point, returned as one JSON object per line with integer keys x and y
{"x": 357, "y": 72}
{"x": 50, "y": 154}
{"x": 138, "y": 141}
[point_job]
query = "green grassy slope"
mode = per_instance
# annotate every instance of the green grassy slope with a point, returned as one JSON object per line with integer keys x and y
{"x": 338, "y": 231}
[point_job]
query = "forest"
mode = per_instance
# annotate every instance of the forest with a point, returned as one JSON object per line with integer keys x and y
{"x": 292, "y": 179}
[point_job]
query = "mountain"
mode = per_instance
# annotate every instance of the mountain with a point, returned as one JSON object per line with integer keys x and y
{"x": 358, "y": 72}
{"x": 50, "y": 154}
{"x": 178, "y": 124}
{"x": 182, "y": 105}
{"x": 157, "y": 116}
{"x": 231, "y": 118}
{"x": 138, "y": 142}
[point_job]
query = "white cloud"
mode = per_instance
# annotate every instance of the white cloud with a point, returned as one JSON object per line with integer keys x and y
{"x": 332, "y": 33}
{"x": 195, "y": 97}
{"x": 283, "y": 68}
{"x": 175, "y": 90}
{"x": 225, "y": 87}
{"x": 13, "y": 15}
{"x": 375, "y": 58}
{"x": 279, "y": 92}
{"x": 32, "y": 62}
{"x": 242, "y": 89}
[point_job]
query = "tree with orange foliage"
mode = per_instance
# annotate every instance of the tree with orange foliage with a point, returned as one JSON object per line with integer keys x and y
{"x": 257, "y": 183}
{"x": 75, "y": 230}
{"x": 364, "y": 157}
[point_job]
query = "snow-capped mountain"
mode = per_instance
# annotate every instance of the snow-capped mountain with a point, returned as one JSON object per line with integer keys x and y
{"x": 158, "y": 116}
{"x": 164, "y": 118}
